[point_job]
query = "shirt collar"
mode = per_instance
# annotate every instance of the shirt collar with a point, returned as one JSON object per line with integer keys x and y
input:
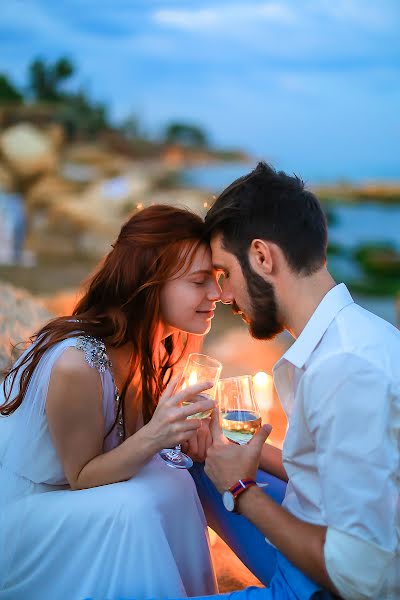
{"x": 331, "y": 304}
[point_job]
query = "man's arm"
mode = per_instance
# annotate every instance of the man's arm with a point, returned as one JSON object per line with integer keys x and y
{"x": 271, "y": 461}
{"x": 302, "y": 543}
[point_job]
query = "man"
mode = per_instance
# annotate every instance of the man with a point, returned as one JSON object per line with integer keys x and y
{"x": 337, "y": 531}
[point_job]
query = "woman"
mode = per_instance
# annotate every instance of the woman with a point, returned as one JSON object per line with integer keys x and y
{"x": 87, "y": 507}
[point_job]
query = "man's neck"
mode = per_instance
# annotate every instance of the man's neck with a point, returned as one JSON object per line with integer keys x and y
{"x": 301, "y": 298}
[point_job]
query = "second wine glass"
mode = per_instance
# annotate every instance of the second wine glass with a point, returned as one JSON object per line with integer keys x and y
{"x": 199, "y": 368}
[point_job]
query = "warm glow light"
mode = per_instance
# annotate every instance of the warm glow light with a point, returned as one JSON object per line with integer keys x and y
{"x": 205, "y": 204}
{"x": 213, "y": 536}
{"x": 263, "y": 388}
{"x": 139, "y": 206}
{"x": 261, "y": 379}
{"x": 193, "y": 378}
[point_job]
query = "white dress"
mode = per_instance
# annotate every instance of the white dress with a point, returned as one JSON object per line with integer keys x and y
{"x": 142, "y": 538}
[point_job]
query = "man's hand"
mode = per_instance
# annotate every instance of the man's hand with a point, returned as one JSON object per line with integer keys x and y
{"x": 227, "y": 462}
{"x": 198, "y": 444}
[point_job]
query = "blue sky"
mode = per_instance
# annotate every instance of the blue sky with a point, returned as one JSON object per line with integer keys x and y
{"x": 313, "y": 85}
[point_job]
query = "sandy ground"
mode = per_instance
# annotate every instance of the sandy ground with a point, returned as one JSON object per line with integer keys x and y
{"x": 231, "y": 573}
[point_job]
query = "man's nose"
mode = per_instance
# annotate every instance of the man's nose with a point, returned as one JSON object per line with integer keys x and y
{"x": 226, "y": 294}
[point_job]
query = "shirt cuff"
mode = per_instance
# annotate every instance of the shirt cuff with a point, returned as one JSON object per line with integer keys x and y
{"x": 357, "y": 568}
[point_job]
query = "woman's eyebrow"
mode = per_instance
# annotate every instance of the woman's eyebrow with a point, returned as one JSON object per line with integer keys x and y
{"x": 201, "y": 272}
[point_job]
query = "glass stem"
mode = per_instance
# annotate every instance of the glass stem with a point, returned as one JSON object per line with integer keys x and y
{"x": 173, "y": 455}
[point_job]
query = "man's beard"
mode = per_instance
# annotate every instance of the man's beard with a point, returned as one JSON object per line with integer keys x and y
{"x": 264, "y": 322}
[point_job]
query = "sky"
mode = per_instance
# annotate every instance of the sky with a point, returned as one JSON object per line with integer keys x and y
{"x": 313, "y": 86}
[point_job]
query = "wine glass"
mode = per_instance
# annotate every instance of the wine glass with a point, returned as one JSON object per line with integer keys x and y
{"x": 240, "y": 415}
{"x": 199, "y": 367}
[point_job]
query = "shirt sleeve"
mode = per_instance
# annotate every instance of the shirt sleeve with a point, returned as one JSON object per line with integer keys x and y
{"x": 359, "y": 569}
{"x": 353, "y": 412}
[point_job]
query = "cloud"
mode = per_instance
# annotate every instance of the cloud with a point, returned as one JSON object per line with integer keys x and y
{"x": 224, "y": 16}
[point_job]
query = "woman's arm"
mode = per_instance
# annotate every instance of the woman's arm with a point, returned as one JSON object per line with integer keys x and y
{"x": 74, "y": 410}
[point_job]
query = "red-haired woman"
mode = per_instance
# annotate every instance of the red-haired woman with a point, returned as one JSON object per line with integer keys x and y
{"x": 87, "y": 507}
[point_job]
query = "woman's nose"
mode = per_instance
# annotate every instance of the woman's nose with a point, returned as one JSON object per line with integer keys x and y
{"x": 214, "y": 293}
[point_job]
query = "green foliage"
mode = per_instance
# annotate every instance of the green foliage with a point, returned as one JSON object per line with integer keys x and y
{"x": 336, "y": 250}
{"x": 8, "y": 92}
{"x": 379, "y": 260}
{"x": 186, "y": 135}
{"x": 375, "y": 287}
{"x": 132, "y": 128}
{"x": 45, "y": 80}
{"x": 80, "y": 117}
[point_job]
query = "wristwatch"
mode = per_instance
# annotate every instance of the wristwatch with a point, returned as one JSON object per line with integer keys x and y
{"x": 229, "y": 497}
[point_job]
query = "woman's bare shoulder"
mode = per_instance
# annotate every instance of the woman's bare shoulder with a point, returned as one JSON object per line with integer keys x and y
{"x": 73, "y": 382}
{"x": 72, "y": 366}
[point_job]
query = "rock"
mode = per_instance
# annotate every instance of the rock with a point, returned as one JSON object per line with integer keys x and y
{"x": 21, "y": 315}
{"x": 49, "y": 189}
{"x": 28, "y": 150}
{"x": 106, "y": 163}
{"x": 77, "y": 173}
{"x": 6, "y": 178}
{"x": 62, "y": 303}
{"x": 56, "y": 135}
{"x": 91, "y": 221}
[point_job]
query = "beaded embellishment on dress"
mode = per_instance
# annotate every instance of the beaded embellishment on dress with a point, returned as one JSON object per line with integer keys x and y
{"x": 95, "y": 354}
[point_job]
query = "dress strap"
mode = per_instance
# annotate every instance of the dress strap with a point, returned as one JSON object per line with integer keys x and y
{"x": 94, "y": 351}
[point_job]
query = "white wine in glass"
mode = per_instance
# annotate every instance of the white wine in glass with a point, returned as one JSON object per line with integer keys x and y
{"x": 240, "y": 415}
{"x": 198, "y": 368}
{"x": 240, "y": 425}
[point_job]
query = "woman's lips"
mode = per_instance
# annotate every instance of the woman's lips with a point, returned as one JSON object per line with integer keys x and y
{"x": 209, "y": 314}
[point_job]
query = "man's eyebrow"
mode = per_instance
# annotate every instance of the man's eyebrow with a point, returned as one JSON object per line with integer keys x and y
{"x": 217, "y": 267}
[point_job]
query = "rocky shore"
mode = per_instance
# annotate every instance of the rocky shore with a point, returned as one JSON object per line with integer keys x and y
{"x": 20, "y": 315}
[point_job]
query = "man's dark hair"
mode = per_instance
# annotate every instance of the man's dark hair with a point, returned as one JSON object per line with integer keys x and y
{"x": 275, "y": 207}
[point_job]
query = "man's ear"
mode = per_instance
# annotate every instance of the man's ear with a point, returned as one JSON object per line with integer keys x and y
{"x": 261, "y": 257}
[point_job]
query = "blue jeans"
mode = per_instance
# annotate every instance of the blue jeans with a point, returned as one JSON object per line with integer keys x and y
{"x": 284, "y": 580}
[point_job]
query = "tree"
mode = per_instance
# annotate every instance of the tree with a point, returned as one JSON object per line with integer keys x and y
{"x": 45, "y": 80}
{"x": 185, "y": 134}
{"x": 132, "y": 128}
{"x": 8, "y": 92}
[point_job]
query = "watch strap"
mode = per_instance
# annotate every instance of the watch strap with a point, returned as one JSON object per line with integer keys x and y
{"x": 240, "y": 486}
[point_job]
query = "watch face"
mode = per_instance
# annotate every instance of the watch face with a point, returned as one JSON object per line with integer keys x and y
{"x": 229, "y": 501}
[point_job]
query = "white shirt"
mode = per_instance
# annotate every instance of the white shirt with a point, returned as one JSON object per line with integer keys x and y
{"x": 339, "y": 385}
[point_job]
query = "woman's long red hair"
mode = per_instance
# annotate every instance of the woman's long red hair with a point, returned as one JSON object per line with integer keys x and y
{"x": 122, "y": 303}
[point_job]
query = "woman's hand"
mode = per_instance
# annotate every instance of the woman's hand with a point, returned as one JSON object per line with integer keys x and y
{"x": 200, "y": 441}
{"x": 170, "y": 425}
